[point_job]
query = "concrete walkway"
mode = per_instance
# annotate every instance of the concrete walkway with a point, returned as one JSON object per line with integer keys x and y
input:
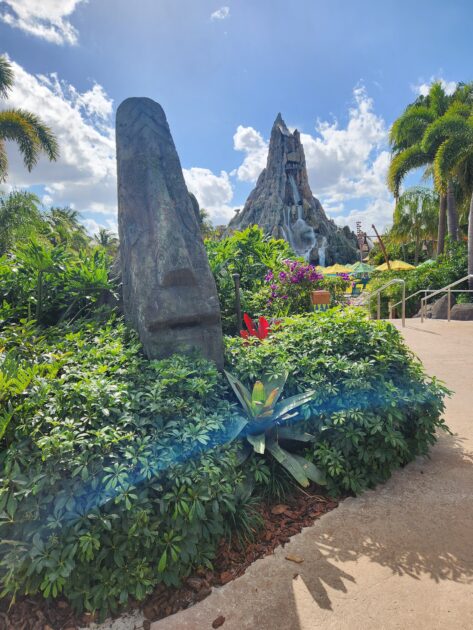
{"x": 400, "y": 556}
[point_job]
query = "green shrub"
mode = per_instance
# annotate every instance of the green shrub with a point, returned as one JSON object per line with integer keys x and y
{"x": 249, "y": 253}
{"x": 374, "y": 409}
{"x": 50, "y": 283}
{"x": 112, "y": 474}
{"x": 117, "y": 472}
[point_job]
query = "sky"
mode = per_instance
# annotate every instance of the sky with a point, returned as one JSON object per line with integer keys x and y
{"x": 339, "y": 71}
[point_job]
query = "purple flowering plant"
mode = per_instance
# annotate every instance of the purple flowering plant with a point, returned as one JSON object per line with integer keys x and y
{"x": 290, "y": 287}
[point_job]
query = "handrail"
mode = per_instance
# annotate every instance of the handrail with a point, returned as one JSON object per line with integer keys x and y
{"x": 428, "y": 291}
{"x": 378, "y": 294}
{"x": 409, "y": 297}
{"x": 423, "y": 302}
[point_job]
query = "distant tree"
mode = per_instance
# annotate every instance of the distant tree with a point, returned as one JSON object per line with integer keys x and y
{"x": 450, "y": 138}
{"x": 415, "y": 218}
{"x": 408, "y": 153}
{"x": 20, "y": 219}
{"x": 66, "y": 228}
{"x": 206, "y": 227}
{"x": 107, "y": 239}
{"x": 32, "y": 136}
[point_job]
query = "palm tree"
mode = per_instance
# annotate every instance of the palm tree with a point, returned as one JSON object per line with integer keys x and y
{"x": 67, "y": 229}
{"x": 107, "y": 239}
{"x": 406, "y": 137}
{"x": 415, "y": 218}
{"x": 451, "y": 137}
{"x": 26, "y": 129}
{"x": 20, "y": 219}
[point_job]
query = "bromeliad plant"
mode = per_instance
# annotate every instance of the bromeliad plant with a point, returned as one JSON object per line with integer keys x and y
{"x": 262, "y": 427}
{"x": 261, "y": 331}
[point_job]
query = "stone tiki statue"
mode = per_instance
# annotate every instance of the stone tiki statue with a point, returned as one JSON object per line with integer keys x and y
{"x": 169, "y": 293}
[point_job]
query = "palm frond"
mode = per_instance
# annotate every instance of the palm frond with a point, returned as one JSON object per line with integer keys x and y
{"x": 13, "y": 126}
{"x": 46, "y": 138}
{"x": 6, "y": 76}
{"x": 450, "y": 156}
{"x": 3, "y": 162}
{"x": 403, "y": 162}
{"x": 410, "y": 127}
{"x": 443, "y": 128}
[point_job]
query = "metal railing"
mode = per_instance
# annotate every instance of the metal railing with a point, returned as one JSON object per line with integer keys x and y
{"x": 448, "y": 290}
{"x": 391, "y": 310}
{"x": 378, "y": 295}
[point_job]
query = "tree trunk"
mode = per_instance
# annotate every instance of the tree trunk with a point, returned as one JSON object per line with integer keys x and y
{"x": 442, "y": 224}
{"x": 416, "y": 252}
{"x": 470, "y": 243}
{"x": 452, "y": 214}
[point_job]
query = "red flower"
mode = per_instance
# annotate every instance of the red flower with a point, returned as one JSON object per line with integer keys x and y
{"x": 261, "y": 332}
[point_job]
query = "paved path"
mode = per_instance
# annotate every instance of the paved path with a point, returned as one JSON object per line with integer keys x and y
{"x": 398, "y": 557}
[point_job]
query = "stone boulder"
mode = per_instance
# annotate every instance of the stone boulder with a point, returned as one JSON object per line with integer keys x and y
{"x": 462, "y": 312}
{"x": 169, "y": 293}
{"x": 439, "y": 308}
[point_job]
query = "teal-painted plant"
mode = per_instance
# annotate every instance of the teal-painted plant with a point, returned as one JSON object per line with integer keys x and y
{"x": 263, "y": 428}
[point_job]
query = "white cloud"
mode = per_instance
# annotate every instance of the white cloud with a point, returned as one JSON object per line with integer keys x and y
{"x": 423, "y": 87}
{"x": 84, "y": 177}
{"x": 252, "y": 143}
{"x": 378, "y": 211}
{"x": 346, "y": 164}
{"x": 351, "y": 161}
{"x": 220, "y": 14}
{"x": 93, "y": 227}
{"x": 46, "y": 19}
{"x": 213, "y": 192}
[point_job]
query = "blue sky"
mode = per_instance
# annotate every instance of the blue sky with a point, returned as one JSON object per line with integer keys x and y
{"x": 339, "y": 71}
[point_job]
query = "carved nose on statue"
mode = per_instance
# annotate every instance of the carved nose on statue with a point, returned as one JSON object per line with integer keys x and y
{"x": 179, "y": 278}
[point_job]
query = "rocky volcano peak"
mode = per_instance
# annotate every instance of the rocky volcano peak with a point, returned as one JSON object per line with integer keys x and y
{"x": 282, "y": 203}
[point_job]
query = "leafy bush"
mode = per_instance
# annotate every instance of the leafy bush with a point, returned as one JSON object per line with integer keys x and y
{"x": 52, "y": 283}
{"x": 118, "y": 473}
{"x": 113, "y": 478}
{"x": 373, "y": 409}
{"x": 272, "y": 280}
{"x": 250, "y": 254}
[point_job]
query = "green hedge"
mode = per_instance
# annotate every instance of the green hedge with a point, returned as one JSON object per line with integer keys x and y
{"x": 375, "y": 409}
{"x": 112, "y": 474}
{"x": 114, "y": 470}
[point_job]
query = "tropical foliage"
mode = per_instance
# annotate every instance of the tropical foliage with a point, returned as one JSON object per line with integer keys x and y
{"x": 434, "y": 274}
{"x": 435, "y": 132}
{"x": 415, "y": 218}
{"x": 372, "y": 408}
{"x": 265, "y": 430}
{"x": 249, "y": 254}
{"x": 112, "y": 462}
{"x": 31, "y": 135}
{"x": 450, "y": 140}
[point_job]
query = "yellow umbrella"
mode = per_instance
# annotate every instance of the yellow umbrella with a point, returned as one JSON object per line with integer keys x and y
{"x": 396, "y": 265}
{"x": 336, "y": 269}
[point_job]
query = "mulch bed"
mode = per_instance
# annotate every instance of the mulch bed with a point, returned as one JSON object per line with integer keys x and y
{"x": 281, "y": 521}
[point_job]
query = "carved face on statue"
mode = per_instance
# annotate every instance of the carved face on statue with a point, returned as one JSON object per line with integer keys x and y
{"x": 169, "y": 292}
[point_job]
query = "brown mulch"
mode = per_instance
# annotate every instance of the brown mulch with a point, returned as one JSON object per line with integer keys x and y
{"x": 281, "y": 521}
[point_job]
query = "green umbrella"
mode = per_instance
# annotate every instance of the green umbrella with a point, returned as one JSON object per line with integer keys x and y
{"x": 361, "y": 267}
{"x": 427, "y": 262}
